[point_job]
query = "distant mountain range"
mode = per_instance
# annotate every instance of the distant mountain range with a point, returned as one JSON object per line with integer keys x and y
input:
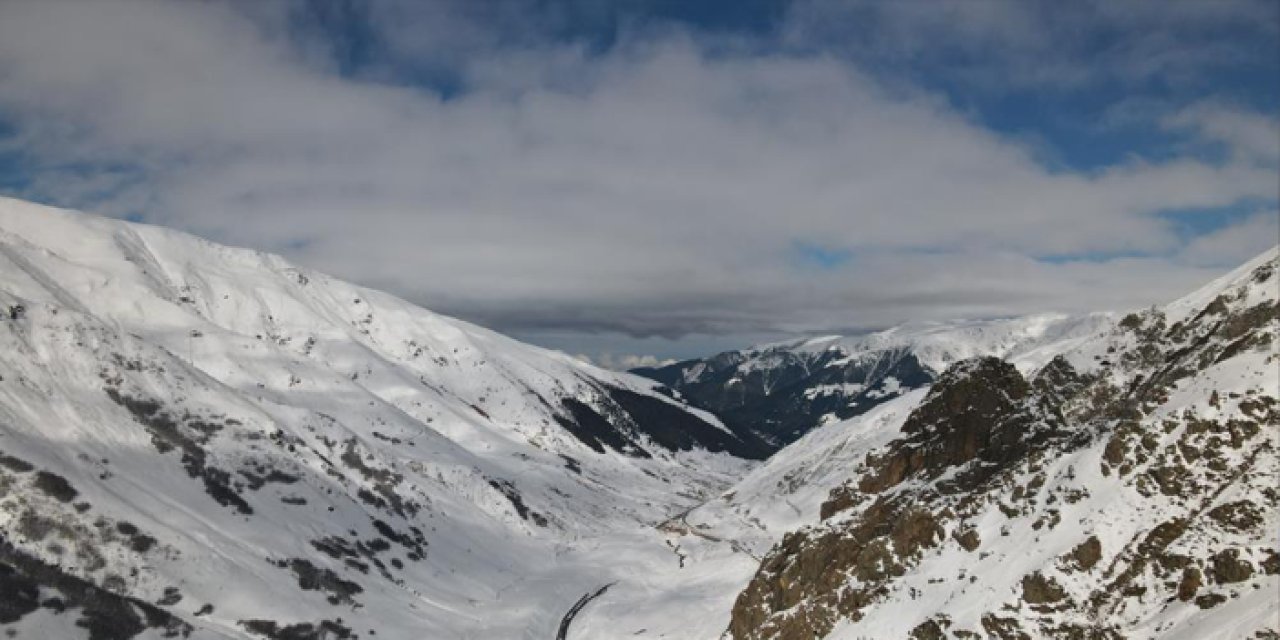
{"x": 782, "y": 391}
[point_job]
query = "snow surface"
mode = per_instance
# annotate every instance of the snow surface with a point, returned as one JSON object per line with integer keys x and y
{"x": 1027, "y": 341}
{"x": 305, "y": 372}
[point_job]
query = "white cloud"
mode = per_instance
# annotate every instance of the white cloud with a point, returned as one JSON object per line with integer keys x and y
{"x": 652, "y": 189}
{"x": 1236, "y": 243}
{"x": 1250, "y": 136}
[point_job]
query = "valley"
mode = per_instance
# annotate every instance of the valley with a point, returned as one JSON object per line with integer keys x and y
{"x": 207, "y": 442}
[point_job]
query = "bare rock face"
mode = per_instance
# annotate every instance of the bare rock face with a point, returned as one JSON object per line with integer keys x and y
{"x": 1191, "y": 581}
{"x": 969, "y": 539}
{"x": 1038, "y": 589}
{"x": 1058, "y": 381}
{"x": 980, "y": 410}
{"x": 1229, "y": 567}
{"x": 1086, "y": 554}
{"x": 981, "y": 416}
{"x": 807, "y": 569}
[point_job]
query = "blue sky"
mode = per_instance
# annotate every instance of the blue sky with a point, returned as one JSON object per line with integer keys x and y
{"x": 667, "y": 178}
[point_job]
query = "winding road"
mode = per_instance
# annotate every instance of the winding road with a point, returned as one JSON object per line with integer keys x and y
{"x": 567, "y": 620}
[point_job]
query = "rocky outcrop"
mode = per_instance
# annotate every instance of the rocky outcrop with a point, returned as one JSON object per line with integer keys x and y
{"x": 28, "y": 584}
{"x": 979, "y": 418}
{"x": 818, "y": 577}
{"x": 980, "y": 411}
{"x": 1164, "y": 433}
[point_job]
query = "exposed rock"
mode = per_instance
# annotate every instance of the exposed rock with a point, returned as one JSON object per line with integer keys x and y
{"x": 1240, "y": 516}
{"x": 809, "y": 565}
{"x": 1271, "y": 565}
{"x": 1086, "y": 554}
{"x": 189, "y": 435}
{"x": 840, "y": 499}
{"x": 1210, "y": 600}
{"x": 968, "y": 539}
{"x": 1003, "y": 628}
{"x": 313, "y": 578}
{"x": 1190, "y": 584}
{"x": 324, "y": 630}
{"x": 19, "y": 595}
{"x": 1229, "y": 567}
{"x": 15, "y": 464}
{"x": 55, "y": 486}
{"x": 101, "y": 610}
{"x": 1059, "y": 382}
{"x": 508, "y": 490}
{"x": 932, "y": 629}
{"x": 915, "y": 530}
{"x": 980, "y": 410}
{"x": 1038, "y": 589}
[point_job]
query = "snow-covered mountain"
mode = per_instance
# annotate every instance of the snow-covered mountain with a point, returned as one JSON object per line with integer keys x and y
{"x": 205, "y": 442}
{"x": 783, "y": 390}
{"x": 210, "y": 441}
{"x": 1124, "y": 489}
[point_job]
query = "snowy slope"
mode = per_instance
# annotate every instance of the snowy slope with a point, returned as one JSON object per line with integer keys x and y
{"x": 234, "y": 439}
{"x": 939, "y": 344}
{"x": 787, "y": 491}
{"x": 1126, "y": 489}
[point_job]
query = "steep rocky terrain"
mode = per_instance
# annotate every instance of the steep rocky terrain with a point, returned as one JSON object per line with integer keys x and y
{"x": 782, "y": 391}
{"x": 1125, "y": 489}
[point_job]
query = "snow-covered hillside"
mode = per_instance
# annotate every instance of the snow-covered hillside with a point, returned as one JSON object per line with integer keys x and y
{"x": 783, "y": 390}
{"x": 1126, "y": 489}
{"x": 205, "y": 440}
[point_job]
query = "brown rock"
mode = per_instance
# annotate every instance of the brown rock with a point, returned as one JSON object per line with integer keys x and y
{"x": 915, "y": 530}
{"x": 1086, "y": 554}
{"x": 1271, "y": 565}
{"x": 1228, "y": 567}
{"x": 1003, "y": 628}
{"x": 841, "y": 498}
{"x": 1240, "y": 516}
{"x": 978, "y": 410}
{"x": 1210, "y": 600}
{"x": 968, "y": 539}
{"x": 933, "y": 629}
{"x": 1190, "y": 584}
{"x": 1038, "y": 589}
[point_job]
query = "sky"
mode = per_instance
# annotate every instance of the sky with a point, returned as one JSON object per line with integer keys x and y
{"x": 644, "y": 180}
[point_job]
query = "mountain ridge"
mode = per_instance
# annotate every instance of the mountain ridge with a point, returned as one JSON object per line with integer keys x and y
{"x": 1124, "y": 489}
{"x": 205, "y": 442}
{"x": 179, "y": 416}
{"x": 782, "y": 390}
